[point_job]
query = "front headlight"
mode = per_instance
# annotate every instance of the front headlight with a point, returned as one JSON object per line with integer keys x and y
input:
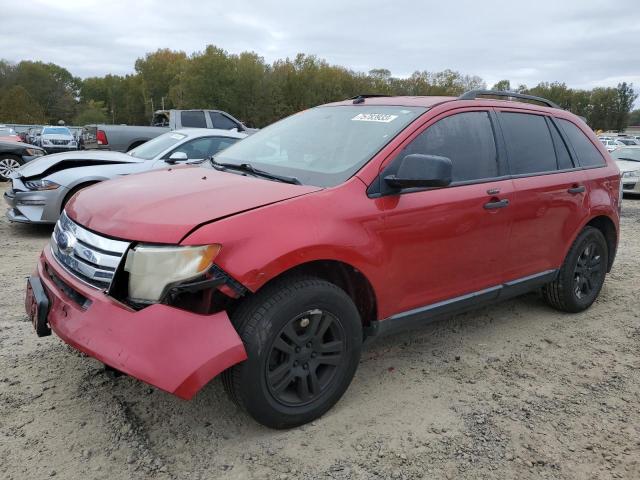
{"x": 34, "y": 152}
{"x": 45, "y": 141}
{"x": 634, "y": 174}
{"x": 152, "y": 268}
{"x": 41, "y": 185}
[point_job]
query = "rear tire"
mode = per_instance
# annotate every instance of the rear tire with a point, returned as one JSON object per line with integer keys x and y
{"x": 303, "y": 337}
{"x": 582, "y": 274}
{"x": 8, "y": 165}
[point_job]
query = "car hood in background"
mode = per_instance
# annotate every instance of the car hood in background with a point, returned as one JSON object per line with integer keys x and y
{"x": 163, "y": 206}
{"x": 57, "y": 136}
{"x": 627, "y": 165}
{"x": 82, "y": 158}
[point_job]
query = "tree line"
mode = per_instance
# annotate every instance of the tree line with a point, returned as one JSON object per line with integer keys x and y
{"x": 252, "y": 90}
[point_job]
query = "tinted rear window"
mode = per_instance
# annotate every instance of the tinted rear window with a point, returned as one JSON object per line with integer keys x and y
{"x": 193, "y": 119}
{"x": 588, "y": 155}
{"x": 529, "y": 144}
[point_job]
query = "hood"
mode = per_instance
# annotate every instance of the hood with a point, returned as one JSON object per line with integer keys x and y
{"x": 627, "y": 165}
{"x": 163, "y": 206}
{"x": 82, "y": 158}
{"x": 57, "y": 136}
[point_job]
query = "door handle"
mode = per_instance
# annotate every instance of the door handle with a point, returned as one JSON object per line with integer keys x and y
{"x": 576, "y": 189}
{"x": 493, "y": 204}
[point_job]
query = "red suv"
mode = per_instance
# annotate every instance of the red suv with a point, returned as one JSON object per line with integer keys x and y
{"x": 273, "y": 261}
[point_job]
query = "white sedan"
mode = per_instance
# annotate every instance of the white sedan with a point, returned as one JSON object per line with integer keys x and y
{"x": 628, "y": 160}
{"x": 42, "y": 187}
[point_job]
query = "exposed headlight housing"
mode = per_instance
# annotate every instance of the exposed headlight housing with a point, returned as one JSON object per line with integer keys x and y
{"x": 42, "y": 184}
{"x": 34, "y": 152}
{"x": 153, "y": 268}
{"x": 633, "y": 173}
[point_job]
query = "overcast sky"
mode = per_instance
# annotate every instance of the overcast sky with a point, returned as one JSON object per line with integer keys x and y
{"x": 582, "y": 43}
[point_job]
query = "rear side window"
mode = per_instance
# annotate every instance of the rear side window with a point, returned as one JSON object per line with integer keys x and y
{"x": 529, "y": 144}
{"x": 221, "y": 121}
{"x": 466, "y": 139}
{"x": 193, "y": 119}
{"x": 588, "y": 155}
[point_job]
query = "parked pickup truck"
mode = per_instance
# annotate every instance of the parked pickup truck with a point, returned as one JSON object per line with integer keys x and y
{"x": 123, "y": 138}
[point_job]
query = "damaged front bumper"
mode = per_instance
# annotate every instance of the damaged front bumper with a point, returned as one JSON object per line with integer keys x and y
{"x": 32, "y": 206}
{"x": 173, "y": 349}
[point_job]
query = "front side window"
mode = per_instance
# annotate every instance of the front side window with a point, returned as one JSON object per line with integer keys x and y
{"x": 193, "y": 119}
{"x": 588, "y": 155}
{"x": 204, "y": 147}
{"x": 221, "y": 122}
{"x": 464, "y": 138}
{"x": 322, "y": 146}
{"x": 528, "y": 142}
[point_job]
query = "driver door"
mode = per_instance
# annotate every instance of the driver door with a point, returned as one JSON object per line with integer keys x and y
{"x": 449, "y": 242}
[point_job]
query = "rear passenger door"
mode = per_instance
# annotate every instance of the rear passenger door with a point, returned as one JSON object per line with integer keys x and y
{"x": 550, "y": 192}
{"x": 447, "y": 242}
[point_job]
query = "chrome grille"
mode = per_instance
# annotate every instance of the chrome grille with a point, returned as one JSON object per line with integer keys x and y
{"x": 90, "y": 257}
{"x": 60, "y": 142}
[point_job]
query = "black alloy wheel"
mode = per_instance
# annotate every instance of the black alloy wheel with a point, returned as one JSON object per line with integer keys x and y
{"x": 304, "y": 357}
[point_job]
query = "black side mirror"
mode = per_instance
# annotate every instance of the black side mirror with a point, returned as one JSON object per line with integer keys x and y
{"x": 417, "y": 170}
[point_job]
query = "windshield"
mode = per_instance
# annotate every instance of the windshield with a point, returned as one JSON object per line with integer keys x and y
{"x": 156, "y": 146}
{"x": 627, "y": 141}
{"x": 631, "y": 154}
{"x": 56, "y": 131}
{"x": 323, "y": 146}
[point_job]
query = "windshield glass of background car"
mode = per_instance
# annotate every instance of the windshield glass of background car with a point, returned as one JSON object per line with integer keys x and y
{"x": 323, "y": 146}
{"x": 156, "y": 146}
{"x": 622, "y": 153}
{"x": 56, "y": 131}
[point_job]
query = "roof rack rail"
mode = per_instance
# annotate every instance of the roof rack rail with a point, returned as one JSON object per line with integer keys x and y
{"x": 473, "y": 94}
{"x": 362, "y": 97}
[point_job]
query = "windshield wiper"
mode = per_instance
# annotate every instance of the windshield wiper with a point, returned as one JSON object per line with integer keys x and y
{"x": 629, "y": 159}
{"x": 247, "y": 167}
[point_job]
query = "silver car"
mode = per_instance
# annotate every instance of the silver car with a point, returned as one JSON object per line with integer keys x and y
{"x": 57, "y": 139}
{"x": 628, "y": 161}
{"x": 42, "y": 187}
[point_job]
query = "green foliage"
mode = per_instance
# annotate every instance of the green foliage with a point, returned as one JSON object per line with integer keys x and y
{"x": 252, "y": 90}
{"x": 91, "y": 112}
{"x": 17, "y": 106}
{"x": 634, "y": 117}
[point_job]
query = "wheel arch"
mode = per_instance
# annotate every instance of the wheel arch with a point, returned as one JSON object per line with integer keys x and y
{"x": 76, "y": 188}
{"x": 346, "y": 276}
{"x": 608, "y": 229}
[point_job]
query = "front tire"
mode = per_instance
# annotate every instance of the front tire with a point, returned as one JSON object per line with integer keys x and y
{"x": 303, "y": 337}
{"x": 582, "y": 274}
{"x": 8, "y": 165}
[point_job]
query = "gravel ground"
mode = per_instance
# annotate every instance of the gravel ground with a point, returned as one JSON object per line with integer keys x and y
{"x": 516, "y": 390}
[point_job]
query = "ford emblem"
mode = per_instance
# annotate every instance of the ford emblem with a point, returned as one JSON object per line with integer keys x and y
{"x": 66, "y": 242}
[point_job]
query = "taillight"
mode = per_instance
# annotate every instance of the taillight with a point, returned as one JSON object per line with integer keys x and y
{"x": 102, "y": 138}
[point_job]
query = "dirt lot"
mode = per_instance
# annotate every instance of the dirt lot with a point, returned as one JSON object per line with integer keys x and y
{"x": 512, "y": 391}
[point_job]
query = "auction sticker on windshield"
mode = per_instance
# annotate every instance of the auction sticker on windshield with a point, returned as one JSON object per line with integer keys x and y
{"x": 374, "y": 117}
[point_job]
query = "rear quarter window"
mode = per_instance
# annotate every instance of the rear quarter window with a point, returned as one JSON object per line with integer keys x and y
{"x": 588, "y": 155}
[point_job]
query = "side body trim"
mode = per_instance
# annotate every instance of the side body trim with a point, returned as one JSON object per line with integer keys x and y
{"x": 435, "y": 311}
